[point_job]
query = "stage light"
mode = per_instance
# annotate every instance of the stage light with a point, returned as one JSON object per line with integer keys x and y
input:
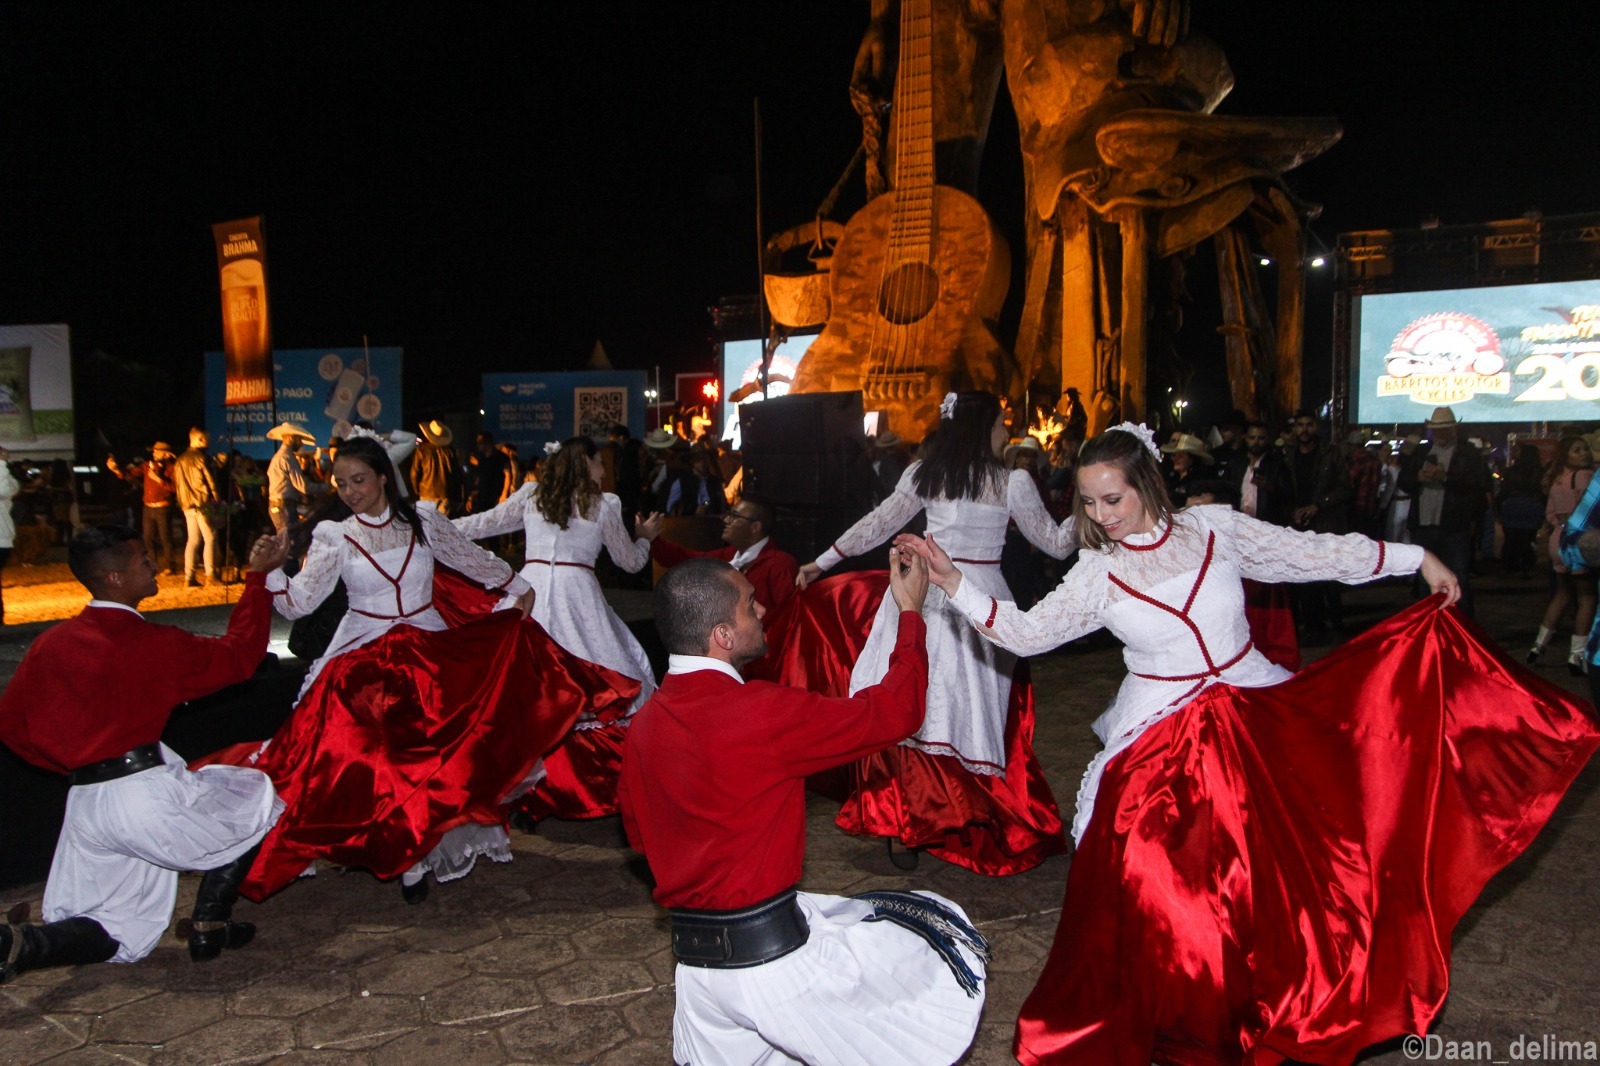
{"x": 1319, "y": 261}
{"x": 710, "y": 391}
{"x": 1264, "y": 261}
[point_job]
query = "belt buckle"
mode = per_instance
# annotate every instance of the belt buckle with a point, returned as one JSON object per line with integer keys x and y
{"x": 702, "y": 944}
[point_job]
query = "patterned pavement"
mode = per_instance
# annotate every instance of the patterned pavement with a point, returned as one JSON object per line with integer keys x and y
{"x": 561, "y": 957}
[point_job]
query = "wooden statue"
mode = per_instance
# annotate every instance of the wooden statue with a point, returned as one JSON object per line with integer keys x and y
{"x": 920, "y": 272}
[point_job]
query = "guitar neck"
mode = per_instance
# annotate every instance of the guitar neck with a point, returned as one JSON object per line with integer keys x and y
{"x": 911, "y": 234}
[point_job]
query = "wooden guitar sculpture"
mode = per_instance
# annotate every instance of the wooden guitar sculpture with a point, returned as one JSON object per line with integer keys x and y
{"x": 915, "y": 276}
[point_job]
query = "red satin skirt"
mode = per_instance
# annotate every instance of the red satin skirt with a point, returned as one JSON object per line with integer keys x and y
{"x": 581, "y": 771}
{"x": 1275, "y": 873}
{"x": 990, "y": 824}
{"x": 580, "y": 775}
{"x": 403, "y": 739}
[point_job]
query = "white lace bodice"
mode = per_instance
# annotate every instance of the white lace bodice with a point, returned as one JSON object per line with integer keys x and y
{"x": 969, "y": 529}
{"x": 579, "y": 543}
{"x": 387, "y": 574}
{"x": 1174, "y": 598}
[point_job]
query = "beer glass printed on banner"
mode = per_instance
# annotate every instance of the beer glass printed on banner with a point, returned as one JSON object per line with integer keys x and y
{"x": 244, "y": 330}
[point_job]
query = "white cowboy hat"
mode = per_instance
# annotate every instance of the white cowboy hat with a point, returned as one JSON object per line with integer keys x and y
{"x": 1029, "y": 443}
{"x": 660, "y": 439}
{"x": 887, "y": 439}
{"x": 1187, "y": 442}
{"x": 436, "y": 432}
{"x": 1442, "y": 416}
{"x": 285, "y": 430}
{"x": 161, "y": 448}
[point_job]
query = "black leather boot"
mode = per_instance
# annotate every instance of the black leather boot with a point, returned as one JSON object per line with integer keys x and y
{"x": 69, "y": 942}
{"x": 213, "y": 906}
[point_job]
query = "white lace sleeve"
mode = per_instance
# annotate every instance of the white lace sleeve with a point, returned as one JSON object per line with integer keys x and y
{"x": 1276, "y": 553}
{"x": 452, "y": 548}
{"x": 1028, "y": 511}
{"x": 881, "y": 523}
{"x": 298, "y": 596}
{"x": 504, "y": 517}
{"x": 630, "y": 554}
{"x": 1073, "y": 609}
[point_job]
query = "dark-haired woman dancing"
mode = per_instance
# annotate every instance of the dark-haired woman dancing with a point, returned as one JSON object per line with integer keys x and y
{"x": 408, "y": 736}
{"x": 967, "y": 786}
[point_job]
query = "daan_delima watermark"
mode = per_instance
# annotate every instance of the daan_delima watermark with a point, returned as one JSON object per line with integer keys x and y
{"x": 1541, "y": 1047}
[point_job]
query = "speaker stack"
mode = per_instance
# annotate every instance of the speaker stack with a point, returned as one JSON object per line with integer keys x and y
{"x": 807, "y": 456}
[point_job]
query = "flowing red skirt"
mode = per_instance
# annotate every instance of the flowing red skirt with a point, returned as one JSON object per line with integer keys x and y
{"x": 991, "y": 824}
{"x": 1271, "y": 618}
{"x": 403, "y": 739}
{"x": 1275, "y": 873}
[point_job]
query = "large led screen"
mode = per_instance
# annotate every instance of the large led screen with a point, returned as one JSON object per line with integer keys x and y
{"x": 741, "y": 366}
{"x": 1516, "y": 353}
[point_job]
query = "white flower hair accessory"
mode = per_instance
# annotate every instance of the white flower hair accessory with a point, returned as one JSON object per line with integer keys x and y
{"x": 551, "y": 447}
{"x": 1144, "y": 433}
{"x": 362, "y": 431}
{"x": 947, "y": 406}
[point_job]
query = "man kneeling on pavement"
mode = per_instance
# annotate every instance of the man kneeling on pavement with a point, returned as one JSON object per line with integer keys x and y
{"x": 713, "y": 794}
{"x": 90, "y": 700}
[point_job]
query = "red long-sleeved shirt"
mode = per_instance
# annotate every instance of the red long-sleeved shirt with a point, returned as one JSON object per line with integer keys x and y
{"x": 106, "y": 681}
{"x": 713, "y": 772}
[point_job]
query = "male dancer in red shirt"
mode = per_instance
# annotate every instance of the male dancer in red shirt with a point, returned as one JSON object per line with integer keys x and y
{"x": 90, "y": 700}
{"x": 713, "y": 793}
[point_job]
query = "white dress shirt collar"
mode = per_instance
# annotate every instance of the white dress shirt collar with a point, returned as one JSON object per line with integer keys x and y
{"x": 688, "y": 664}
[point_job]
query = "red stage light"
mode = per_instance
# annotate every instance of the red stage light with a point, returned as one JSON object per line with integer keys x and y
{"x": 710, "y": 391}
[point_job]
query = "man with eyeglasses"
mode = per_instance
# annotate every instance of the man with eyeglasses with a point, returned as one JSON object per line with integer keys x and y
{"x": 747, "y": 532}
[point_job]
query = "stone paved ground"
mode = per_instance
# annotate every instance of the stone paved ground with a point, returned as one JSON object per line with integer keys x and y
{"x": 560, "y": 956}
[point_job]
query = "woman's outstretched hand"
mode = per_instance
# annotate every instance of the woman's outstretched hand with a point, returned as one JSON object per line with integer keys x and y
{"x": 524, "y": 603}
{"x": 941, "y": 571}
{"x": 1441, "y": 578}
{"x": 808, "y": 573}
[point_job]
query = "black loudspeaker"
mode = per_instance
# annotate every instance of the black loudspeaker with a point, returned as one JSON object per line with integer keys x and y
{"x": 810, "y": 424}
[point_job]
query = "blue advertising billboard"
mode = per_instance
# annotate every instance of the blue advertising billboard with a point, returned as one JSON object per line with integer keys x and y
{"x": 322, "y": 389}
{"x": 1513, "y": 353}
{"x": 528, "y": 409}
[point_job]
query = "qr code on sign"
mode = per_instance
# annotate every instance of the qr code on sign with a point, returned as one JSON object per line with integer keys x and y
{"x": 598, "y": 409}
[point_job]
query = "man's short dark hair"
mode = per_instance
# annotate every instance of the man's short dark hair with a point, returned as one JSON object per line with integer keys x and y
{"x": 760, "y": 511}
{"x": 88, "y": 552}
{"x": 1257, "y": 424}
{"x": 618, "y": 430}
{"x": 693, "y": 599}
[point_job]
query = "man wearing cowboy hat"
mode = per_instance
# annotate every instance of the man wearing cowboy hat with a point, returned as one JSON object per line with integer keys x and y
{"x": 1447, "y": 480}
{"x": 286, "y": 479}
{"x": 435, "y": 475}
{"x": 1189, "y": 461}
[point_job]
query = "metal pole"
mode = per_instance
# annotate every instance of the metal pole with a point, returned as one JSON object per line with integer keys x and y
{"x": 761, "y": 299}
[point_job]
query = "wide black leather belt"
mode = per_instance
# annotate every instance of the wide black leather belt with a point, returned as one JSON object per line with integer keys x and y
{"x": 129, "y": 762}
{"x": 733, "y": 940}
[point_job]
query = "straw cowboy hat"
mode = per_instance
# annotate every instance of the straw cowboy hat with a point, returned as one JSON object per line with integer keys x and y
{"x": 887, "y": 439}
{"x": 661, "y": 439}
{"x": 1187, "y": 442}
{"x": 1442, "y": 416}
{"x": 436, "y": 432}
{"x": 161, "y": 450}
{"x": 1028, "y": 444}
{"x": 286, "y": 430}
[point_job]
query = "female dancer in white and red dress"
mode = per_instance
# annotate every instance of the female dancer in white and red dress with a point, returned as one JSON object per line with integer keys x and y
{"x": 568, "y": 520}
{"x": 1268, "y": 866}
{"x": 408, "y": 736}
{"x": 967, "y": 785}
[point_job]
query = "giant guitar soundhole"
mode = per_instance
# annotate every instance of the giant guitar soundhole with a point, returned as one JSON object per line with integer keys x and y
{"x": 908, "y": 293}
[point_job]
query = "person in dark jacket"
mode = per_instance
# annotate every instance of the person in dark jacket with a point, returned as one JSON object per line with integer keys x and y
{"x": 1447, "y": 479}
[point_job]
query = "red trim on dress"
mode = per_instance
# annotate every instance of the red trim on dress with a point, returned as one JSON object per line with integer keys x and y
{"x": 1151, "y": 546}
{"x": 994, "y": 609}
{"x": 978, "y": 562}
{"x": 399, "y": 600}
{"x": 375, "y": 525}
{"x": 1376, "y": 570}
{"x": 1212, "y": 669}
{"x": 547, "y": 562}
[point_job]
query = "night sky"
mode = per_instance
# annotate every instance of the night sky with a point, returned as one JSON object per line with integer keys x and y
{"x": 494, "y": 186}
